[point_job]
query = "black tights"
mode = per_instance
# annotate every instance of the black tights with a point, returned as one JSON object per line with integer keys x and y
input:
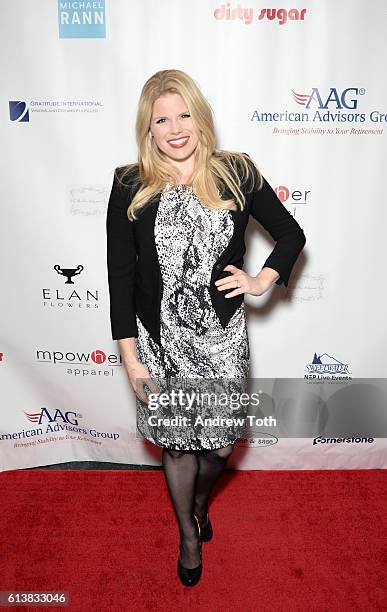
{"x": 190, "y": 477}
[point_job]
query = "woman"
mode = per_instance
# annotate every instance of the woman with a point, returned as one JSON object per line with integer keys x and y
{"x": 175, "y": 246}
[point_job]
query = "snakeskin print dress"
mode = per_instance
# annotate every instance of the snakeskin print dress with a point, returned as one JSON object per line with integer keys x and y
{"x": 189, "y": 238}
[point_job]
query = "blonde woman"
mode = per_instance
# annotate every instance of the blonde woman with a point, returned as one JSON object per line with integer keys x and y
{"x": 175, "y": 244}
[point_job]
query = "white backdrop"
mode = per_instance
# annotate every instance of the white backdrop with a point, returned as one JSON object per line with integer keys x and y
{"x": 300, "y": 87}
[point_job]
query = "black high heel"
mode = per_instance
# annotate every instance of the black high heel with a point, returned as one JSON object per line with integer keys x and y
{"x": 205, "y": 532}
{"x": 190, "y": 576}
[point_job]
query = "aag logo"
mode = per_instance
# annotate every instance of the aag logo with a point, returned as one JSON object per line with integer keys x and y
{"x": 347, "y": 98}
{"x": 58, "y": 415}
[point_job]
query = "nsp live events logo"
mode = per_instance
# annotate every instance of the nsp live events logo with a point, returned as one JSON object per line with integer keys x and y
{"x": 327, "y": 367}
{"x": 324, "y": 105}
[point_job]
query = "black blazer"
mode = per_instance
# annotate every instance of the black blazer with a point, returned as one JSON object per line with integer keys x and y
{"x": 134, "y": 276}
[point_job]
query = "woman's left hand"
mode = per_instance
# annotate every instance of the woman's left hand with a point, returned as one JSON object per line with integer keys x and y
{"x": 241, "y": 282}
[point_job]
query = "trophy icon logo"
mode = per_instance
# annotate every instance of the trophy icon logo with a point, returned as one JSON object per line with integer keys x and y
{"x": 68, "y": 272}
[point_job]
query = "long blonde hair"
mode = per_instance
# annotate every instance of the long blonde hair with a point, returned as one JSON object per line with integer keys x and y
{"x": 214, "y": 168}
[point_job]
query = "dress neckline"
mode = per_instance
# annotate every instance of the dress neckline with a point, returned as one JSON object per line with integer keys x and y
{"x": 168, "y": 186}
{"x": 183, "y": 187}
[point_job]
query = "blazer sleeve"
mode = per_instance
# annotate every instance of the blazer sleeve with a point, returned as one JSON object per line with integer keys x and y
{"x": 268, "y": 210}
{"x": 121, "y": 263}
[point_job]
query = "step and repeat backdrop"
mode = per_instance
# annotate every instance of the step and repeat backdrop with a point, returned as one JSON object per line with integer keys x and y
{"x": 299, "y": 86}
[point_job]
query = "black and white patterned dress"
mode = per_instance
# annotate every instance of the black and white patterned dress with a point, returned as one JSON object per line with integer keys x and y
{"x": 189, "y": 239}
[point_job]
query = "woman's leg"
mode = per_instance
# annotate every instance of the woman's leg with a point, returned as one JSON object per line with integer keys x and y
{"x": 180, "y": 470}
{"x": 211, "y": 466}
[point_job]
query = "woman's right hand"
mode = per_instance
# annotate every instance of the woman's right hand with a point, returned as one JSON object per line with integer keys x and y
{"x": 137, "y": 372}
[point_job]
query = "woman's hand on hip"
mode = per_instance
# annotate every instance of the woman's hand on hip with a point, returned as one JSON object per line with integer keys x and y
{"x": 241, "y": 282}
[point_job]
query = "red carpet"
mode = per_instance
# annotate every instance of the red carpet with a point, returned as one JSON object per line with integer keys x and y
{"x": 283, "y": 540}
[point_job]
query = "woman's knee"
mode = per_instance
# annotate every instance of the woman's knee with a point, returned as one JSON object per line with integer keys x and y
{"x": 176, "y": 454}
{"x": 223, "y": 453}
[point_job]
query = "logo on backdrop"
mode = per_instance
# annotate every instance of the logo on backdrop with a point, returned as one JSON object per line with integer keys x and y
{"x": 325, "y": 107}
{"x": 81, "y": 19}
{"x": 345, "y": 98}
{"x": 341, "y": 440}
{"x": 226, "y": 12}
{"x": 56, "y": 415}
{"x": 263, "y": 440}
{"x": 293, "y": 197}
{"x": 308, "y": 288}
{"x": 19, "y": 110}
{"x": 82, "y": 364}
{"x": 68, "y": 272}
{"x": 67, "y": 297}
{"x": 296, "y": 196}
{"x": 56, "y": 422}
{"x": 327, "y": 367}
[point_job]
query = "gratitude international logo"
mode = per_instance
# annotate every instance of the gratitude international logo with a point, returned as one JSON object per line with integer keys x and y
{"x": 19, "y": 110}
{"x": 82, "y": 19}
